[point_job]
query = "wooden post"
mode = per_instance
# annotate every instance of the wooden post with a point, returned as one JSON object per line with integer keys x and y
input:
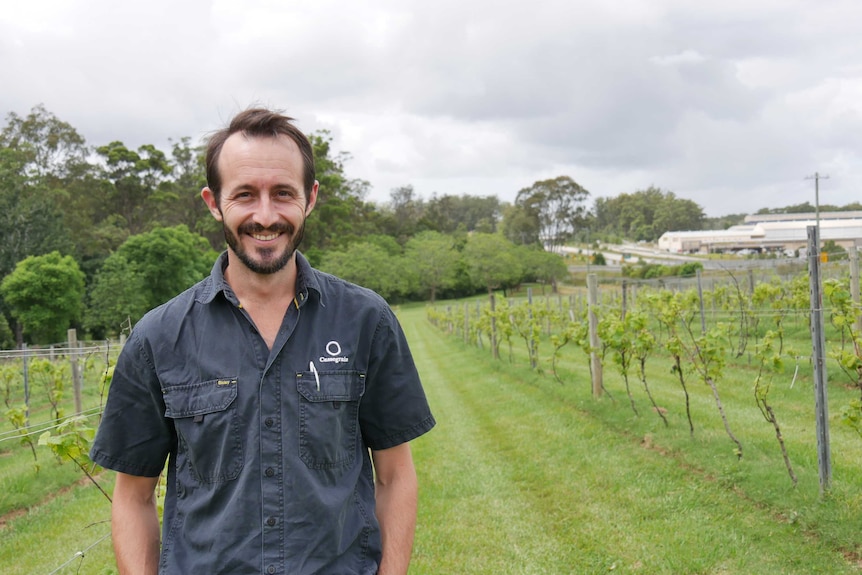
{"x": 818, "y": 344}
{"x": 700, "y": 297}
{"x": 478, "y": 320}
{"x": 77, "y": 383}
{"x": 495, "y": 353}
{"x": 530, "y": 317}
{"x": 854, "y": 285}
{"x": 623, "y": 306}
{"x": 26, "y": 370}
{"x": 595, "y": 343}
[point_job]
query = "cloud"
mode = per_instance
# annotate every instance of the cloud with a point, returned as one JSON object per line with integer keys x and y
{"x": 727, "y": 103}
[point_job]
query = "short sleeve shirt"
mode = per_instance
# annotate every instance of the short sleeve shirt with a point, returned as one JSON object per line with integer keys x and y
{"x": 269, "y": 468}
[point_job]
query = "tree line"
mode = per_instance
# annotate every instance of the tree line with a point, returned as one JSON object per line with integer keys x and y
{"x": 96, "y": 235}
{"x": 122, "y": 230}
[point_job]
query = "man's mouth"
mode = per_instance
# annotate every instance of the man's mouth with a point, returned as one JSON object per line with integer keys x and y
{"x": 265, "y": 237}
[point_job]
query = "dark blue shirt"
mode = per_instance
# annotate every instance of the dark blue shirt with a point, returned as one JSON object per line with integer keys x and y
{"x": 268, "y": 451}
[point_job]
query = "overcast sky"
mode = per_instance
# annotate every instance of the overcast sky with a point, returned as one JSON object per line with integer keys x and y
{"x": 729, "y": 103}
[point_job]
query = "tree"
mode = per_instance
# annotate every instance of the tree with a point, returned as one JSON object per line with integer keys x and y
{"x": 169, "y": 260}
{"x": 646, "y": 214}
{"x": 30, "y": 218}
{"x": 436, "y": 261}
{"x": 7, "y": 339}
{"x": 146, "y": 271}
{"x": 558, "y": 207}
{"x": 341, "y": 215}
{"x": 180, "y": 200}
{"x": 521, "y": 225}
{"x": 674, "y": 214}
{"x": 371, "y": 266}
{"x": 387, "y": 243}
{"x": 53, "y": 149}
{"x": 447, "y": 214}
{"x": 44, "y": 294}
{"x": 543, "y": 266}
{"x": 118, "y": 297}
{"x": 492, "y": 261}
{"x": 834, "y": 251}
{"x": 135, "y": 178}
{"x": 39, "y": 154}
{"x": 405, "y": 210}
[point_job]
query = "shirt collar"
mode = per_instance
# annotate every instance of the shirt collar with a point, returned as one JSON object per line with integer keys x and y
{"x": 306, "y": 280}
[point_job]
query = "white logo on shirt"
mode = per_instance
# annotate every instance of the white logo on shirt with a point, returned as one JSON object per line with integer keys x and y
{"x": 333, "y": 348}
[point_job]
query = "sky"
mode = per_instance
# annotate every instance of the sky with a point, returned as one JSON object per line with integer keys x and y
{"x": 732, "y": 104}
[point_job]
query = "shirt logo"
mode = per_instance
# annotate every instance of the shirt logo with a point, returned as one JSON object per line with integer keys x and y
{"x": 333, "y": 350}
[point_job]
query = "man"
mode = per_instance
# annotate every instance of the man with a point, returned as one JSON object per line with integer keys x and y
{"x": 283, "y": 398}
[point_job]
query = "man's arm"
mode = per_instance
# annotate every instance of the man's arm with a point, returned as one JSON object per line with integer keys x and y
{"x": 396, "y": 491}
{"x": 135, "y": 525}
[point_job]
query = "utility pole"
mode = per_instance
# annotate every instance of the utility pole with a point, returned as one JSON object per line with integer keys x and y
{"x": 817, "y": 177}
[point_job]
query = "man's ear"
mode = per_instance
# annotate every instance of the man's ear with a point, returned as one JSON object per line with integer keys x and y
{"x": 312, "y": 198}
{"x": 211, "y": 202}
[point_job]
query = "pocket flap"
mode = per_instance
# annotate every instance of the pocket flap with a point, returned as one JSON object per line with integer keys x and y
{"x": 199, "y": 398}
{"x": 344, "y": 385}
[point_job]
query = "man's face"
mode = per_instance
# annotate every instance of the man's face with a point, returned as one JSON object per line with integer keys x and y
{"x": 263, "y": 205}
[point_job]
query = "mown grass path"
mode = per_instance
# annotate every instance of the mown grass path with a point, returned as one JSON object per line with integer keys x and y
{"x": 517, "y": 480}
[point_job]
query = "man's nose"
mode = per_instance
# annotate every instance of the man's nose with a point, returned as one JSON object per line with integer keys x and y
{"x": 265, "y": 214}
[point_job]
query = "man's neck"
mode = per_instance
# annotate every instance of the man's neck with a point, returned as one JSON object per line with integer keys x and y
{"x": 250, "y": 286}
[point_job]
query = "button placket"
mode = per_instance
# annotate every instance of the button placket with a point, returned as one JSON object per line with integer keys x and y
{"x": 270, "y": 456}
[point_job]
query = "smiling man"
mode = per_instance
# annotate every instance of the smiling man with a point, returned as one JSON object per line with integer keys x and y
{"x": 282, "y": 398}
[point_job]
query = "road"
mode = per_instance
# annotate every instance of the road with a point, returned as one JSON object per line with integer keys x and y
{"x": 613, "y": 254}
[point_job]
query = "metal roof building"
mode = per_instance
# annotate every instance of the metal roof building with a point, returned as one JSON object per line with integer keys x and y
{"x": 768, "y": 233}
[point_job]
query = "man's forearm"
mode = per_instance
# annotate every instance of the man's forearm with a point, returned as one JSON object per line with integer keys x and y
{"x": 396, "y": 500}
{"x": 135, "y": 526}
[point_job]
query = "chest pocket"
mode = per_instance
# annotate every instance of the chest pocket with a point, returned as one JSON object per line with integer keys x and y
{"x": 329, "y": 417}
{"x": 205, "y": 418}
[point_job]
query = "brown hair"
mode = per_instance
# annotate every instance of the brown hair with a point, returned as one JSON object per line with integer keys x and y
{"x": 258, "y": 123}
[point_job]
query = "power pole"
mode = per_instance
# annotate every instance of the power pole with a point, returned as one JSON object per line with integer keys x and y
{"x": 817, "y": 177}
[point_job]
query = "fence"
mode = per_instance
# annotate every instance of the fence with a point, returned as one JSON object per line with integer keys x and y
{"x": 71, "y": 350}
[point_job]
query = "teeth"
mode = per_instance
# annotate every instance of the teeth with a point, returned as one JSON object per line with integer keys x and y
{"x": 264, "y": 238}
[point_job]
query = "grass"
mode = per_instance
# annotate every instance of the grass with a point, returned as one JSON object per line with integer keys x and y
{"x": 67, "y": 534}
{"x": 526, "y": 476}
{"x": 52, "y": 520}
{"x": 22, "y": 485}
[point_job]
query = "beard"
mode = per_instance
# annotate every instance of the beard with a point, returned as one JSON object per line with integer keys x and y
{"x": 269, "y": 261}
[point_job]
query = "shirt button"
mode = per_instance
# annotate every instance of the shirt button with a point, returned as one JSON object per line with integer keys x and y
{"x": 270, "y": 521}
{"x": 269, "y": 472}
{"x": 270, "y": 569}
{"x": 268, "y": 422}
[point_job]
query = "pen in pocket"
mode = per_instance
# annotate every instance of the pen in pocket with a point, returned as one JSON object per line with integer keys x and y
{"x": 314, "y": 371}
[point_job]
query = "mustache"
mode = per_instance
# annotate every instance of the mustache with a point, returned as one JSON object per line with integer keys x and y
{"x": 253, "y": 228}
